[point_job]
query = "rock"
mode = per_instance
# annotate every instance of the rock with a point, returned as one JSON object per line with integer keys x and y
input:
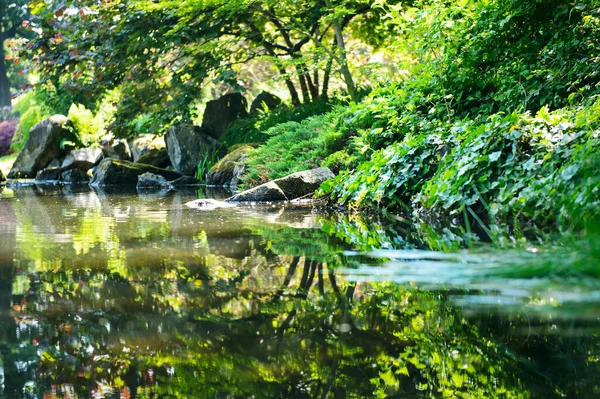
{"x": 187, "y": 145}
{"x": 82, "y": 159}
{"x": 227, "y": 171}
{"x": 267, "y": 99}
{"x": 208, "y": 204}
{"x": 75, "y": 176}
{"x": 121, "y": 149}
{"x": 185, "y": 181}
{"x": 145, "y": 144}
{"x": 221, "y": 113}
{"x": 265, "y": 192}
{"x": 156, "y": 157}
{"x": 289, "y": 187}
{"x": 116, "y": 149}
{"x": 303, "y": 183}
{"x": 48, "y": 174}
{"x": 55, "y": 163}
{"x": 112, "y": 172}
{"x": 151, "y": 181}
{"x": 43, "y": 145}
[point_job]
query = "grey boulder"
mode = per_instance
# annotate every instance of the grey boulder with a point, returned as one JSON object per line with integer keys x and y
{"x": 221, "y": 113}
{"x": 75, "y": 176}
{"x": 265, "y": 100}
{"x": 112, "y": 172}
{"x": 227, "y": 171}
{"x": 115, "y": 149}
{"x": 286, "y": 188}
{"x": 48, "y": 175}
{"x": 265, "y": 192}
{"x": 152, "y": 181}
{"x": 46, "y": 141}
{"x": 82, "y": 159}
{"x": 187, "y": 146}
{"x": 145, "y": 144}
{"x": 156, "y": 157}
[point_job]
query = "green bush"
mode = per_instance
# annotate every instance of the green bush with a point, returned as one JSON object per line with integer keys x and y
{"x": 32, "y": 111}
{"x": 293, "y": 147}
{"x": 253, "y": 128}
{"x": 90, "y": 128}
{"x": 543, "y": 169}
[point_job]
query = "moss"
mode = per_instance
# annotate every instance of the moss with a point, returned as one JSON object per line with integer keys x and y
{"x": 222, "y": 172}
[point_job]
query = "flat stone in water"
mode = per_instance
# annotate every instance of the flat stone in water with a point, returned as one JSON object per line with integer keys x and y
{"x": 208, "y": 204}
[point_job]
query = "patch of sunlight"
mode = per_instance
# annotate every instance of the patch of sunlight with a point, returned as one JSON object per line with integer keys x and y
{"x": 7, "y": 162}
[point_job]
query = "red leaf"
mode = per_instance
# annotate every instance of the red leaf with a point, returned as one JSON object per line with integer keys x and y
{"x": 60, "y": 10}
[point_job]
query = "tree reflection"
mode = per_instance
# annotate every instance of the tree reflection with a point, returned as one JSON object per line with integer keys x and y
{"x": 132, "y": 299}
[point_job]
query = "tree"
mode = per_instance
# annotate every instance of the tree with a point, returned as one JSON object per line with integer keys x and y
{"x": 12, "y": 16}
{"x": 162, "y": 54}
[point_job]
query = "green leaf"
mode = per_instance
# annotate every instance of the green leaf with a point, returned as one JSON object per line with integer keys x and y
{"x": 494, "y": 156}
{"x": 569, "y": 172}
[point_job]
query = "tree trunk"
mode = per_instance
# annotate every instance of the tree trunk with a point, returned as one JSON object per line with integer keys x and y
{"x": 289, "y": 84}
{"x": 326, "y": 77}
{"x": 5, "y": 99}
{"x": 302, "y": 80}
{"x": 343, "y": 61}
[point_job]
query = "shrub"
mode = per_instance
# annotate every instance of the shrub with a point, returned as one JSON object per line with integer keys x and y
{"x": 253, "y": 128}
{"x": 32, "y": 111}
{"x": 543, "y": 169}
{"x": 293, "y": 147}
{"x": 90, "y": 128}
{"x": 7, "y": 131}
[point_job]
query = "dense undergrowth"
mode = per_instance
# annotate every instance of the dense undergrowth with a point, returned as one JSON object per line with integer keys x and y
{"x": 498, "y": 124}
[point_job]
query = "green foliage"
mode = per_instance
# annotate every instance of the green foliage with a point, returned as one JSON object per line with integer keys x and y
{"x": 90, "y": 128}
{"x": 32, "y": 111}
{"x": 161, "y": 57}
{"x": 542, "y": 168}
{"x": 253, "y": 128}
{"x": 206, "y": 164}
{"x": 293, "y": 147}
{"x": 503, "y": 55}
{"x": 459, "y": 140}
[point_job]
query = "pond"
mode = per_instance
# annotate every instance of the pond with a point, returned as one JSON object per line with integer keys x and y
{"x": 120, "y": 295}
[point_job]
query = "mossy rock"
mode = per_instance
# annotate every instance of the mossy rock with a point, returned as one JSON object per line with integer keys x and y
{"x": 112, "y": 172}
{"x": 142, "y": 145}
{"x": 158, "y": 157}
{"x": 228, "y": 170}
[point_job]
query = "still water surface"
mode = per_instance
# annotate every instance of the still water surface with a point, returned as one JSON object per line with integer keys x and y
{"x": 138, "y": 296}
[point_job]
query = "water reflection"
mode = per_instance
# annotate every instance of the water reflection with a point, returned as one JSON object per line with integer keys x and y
{"x": 121, "y": 296}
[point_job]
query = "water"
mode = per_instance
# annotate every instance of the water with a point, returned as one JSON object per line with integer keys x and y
{"x": 126, "y": 296}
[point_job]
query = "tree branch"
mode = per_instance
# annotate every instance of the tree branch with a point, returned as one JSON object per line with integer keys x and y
{"x": 12, "y": 32}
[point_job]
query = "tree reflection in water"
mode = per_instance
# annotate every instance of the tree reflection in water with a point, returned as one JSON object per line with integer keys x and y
{"x": 122, "y": 297}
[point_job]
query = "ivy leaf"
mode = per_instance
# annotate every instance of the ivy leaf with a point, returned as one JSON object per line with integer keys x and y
{"x": 495, "y": 155}
{"x": 569, "y": 172}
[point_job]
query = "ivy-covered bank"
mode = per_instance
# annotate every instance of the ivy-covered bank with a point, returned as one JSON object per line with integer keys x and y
{"x": 497, "y": 124}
